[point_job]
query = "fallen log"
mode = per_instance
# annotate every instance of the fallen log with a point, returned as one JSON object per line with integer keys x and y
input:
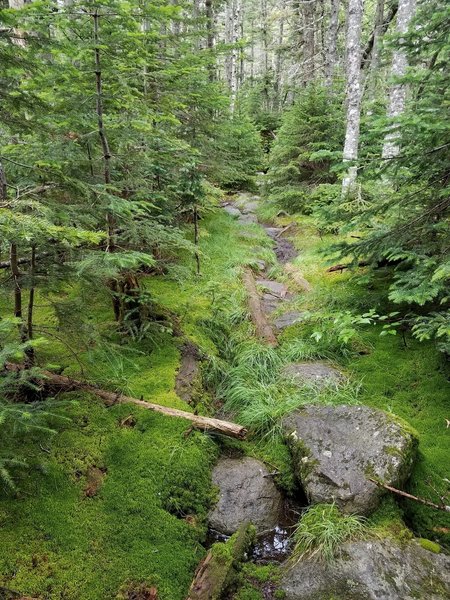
{"x": 263, "y": 329}
{"x": 216, "y": 572}
{"x": 66, "y": 384}
{"x": 394, "y": 490}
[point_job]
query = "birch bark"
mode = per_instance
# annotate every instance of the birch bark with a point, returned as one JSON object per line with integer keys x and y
{"x": 332, "y": 37}
{"x": 397, "y": 94}
{"x": 353, "y": 49}
{"x": 308, "y": 12}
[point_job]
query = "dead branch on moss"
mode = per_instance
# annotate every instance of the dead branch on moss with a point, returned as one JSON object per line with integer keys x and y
{"x": 62, "y": 383}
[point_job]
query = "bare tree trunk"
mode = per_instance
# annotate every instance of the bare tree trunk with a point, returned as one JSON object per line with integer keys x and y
{"x": 332, "y": 38}
{"x": 30, "y": 333}
{"x": 101, "y": 129}
{"x": 308, "y": 12}
{"x": 353, "y": 48}
{"x": 209, "y": 13}
{"x": 397, "y": 94}
{"x": 234, "y": 64}
{"x": 265, "y": 50}
{"x": 367, "y": 55}
{"x": 279, "y": 62}
{"x": 15, "y": 274}
{"x": 197, "y": 255}
{"x": 3, "y": 183}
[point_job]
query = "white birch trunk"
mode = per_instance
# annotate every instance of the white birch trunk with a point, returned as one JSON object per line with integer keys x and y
{"x": 333, "y": 28}
{"x": 397, "y": 94}
{"x": 353, "y": 48}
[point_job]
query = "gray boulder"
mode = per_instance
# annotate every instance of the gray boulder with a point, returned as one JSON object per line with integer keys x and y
{"x": 371, "y": 570}
{"x": 246, "y": 493}
{"x": 232, "y": 210}
{"x": 337, "y": 448}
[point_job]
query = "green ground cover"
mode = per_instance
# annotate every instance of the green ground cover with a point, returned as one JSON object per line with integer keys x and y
{"x": 147, "y": 520}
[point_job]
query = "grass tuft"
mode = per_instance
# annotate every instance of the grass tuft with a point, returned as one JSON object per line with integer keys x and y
{"x": 323, "y": 529}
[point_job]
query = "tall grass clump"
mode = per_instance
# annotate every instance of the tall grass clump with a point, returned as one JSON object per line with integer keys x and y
{"x": 322, "y": 531}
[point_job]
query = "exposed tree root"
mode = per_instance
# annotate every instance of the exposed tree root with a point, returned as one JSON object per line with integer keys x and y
{"x": 263, "y": 329}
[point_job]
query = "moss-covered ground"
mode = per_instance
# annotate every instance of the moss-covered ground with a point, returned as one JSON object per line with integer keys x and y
{"x": 146, "y": 521}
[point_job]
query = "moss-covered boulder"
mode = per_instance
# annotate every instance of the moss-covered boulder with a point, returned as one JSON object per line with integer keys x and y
{"x": 336, "y": 449}
{"x": 246, "y": 494}
{"x": 371, "y": 570}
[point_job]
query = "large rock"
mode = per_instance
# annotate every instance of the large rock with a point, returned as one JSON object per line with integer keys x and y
{"x": 336, "y": 449}
{"x": 246, "y": 493}
{"x": 232, "y": 210}
{"x": 372, "y": 570}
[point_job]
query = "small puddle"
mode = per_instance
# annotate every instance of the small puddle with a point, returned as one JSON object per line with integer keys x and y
{"x": 273, "y": 545}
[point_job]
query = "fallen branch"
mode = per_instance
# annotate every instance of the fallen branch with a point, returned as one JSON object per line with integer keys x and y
{"x": 341, "y": 267}
{"x": 280, "y": 233}
{"x": 263, "y": 329}
{"x": 214, "y": 575}
{"x": 394, "y": 490}
{"x": 66, "y": 384}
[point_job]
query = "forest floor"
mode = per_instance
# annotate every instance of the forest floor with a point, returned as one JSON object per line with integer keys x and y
{"x": 116, "y": 502}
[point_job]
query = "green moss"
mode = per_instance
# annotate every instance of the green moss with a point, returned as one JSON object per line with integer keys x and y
{"x": 255, "y": 580}
{"x": 387, "y": 521}
{"x": 429, "y": 545}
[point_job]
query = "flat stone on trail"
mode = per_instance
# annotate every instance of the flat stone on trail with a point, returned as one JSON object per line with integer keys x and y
{"x": 371, "y": 570}
{"x": 287, "y": 319}
{"x": 275, "y": 287}
{"x": 337, "y": 448}
{"x": 270, "y": 303}
{"x": 317, "y": 373}
{"x": 246, "y": 493}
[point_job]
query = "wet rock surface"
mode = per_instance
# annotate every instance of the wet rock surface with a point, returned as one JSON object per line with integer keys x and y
{"x": 317, "y": 373}
{"x": 372, "y": 570}
{"x": 336, "y": 448}
{"x": 287, "y": 319}
{"x": 284, "y": 249}
{"x": 246, "y": 493}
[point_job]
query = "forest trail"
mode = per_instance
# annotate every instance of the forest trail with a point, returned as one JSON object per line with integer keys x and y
{"x": 275, "y": 299}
